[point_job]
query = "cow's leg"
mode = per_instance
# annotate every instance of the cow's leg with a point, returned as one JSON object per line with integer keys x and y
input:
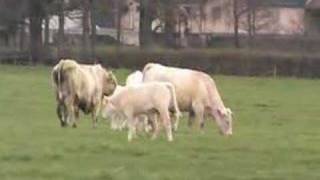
{"x": 155, "y": 125}
{"x": 146, "y": 125}
{"x": 191, "y": 118}
{"x": 165, "y": 117}
{"x": 132, "y": 128}
{"x": 62, "y": 115}
{"x": 198, "y": 109}
{"x": 114, "y": 121}
{"x": 175, "y": 121}
{"x": 94, "y": 115}
{"x": 76, "y": 116}
{"x": 123, "y": 123}
{"x": 94, "y": 119}
{"x": 70, "y": 106}
{"x": 71, "y": 116}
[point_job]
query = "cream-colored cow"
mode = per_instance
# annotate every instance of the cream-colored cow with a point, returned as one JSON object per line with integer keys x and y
{"x": 79, "y": 86}
{"x": 134, "y": 78}
{"x": 144, "y": 99}
{"x": 196, "y": 93}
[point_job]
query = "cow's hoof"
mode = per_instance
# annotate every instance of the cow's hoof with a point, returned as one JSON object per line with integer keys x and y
{"x": 63, "y": 125}
{"x": 74, "y": 126}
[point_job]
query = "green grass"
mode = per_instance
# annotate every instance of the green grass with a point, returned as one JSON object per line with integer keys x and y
{"x": 276, "y": 136}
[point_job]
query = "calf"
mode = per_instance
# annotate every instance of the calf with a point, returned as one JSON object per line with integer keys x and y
{"x": 144, "y": 99}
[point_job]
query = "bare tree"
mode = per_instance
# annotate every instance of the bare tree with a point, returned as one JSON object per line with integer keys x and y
{"x": 61, "y": 36}
{"x": 46, "y": 29}
{"x": 119, "y": 5}
{"x": 239, "y": 9}
{"x": 85, "y": 26}
{"x": 169, "y": 21}
{"x": 236, "y": 23}
{"x": 145, "y": 31}
{"x": 36, "y": 14}
{"x": 93, "y": 27}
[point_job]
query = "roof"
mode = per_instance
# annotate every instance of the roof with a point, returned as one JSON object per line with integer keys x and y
{"x": 283, "y": 3}
{"x": 313, "y": 4}
{"x": 272, "y": 3}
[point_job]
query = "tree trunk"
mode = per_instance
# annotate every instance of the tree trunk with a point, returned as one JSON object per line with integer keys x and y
{"x": 61, "y": 37}
{"x": 46, "y": 30}
{"x": 22, "y": 37}
{"x": 169, "y": 28}
{"x": 85, "y": 28}
{"x": 119, "y": 6}
{"x": 236, "y": 24}
{"x": 249, "y": 22}
{"x": 35, "y": 29}
{"x": 93, "y": 28}
{"x": 145, "y": 32}
{"x": 254, "y": 21}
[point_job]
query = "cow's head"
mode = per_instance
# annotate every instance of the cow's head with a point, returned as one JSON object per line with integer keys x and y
{"x": 109, "y": 83}
{"x": 223, "y": 117}
{"x": 107, "y": 107}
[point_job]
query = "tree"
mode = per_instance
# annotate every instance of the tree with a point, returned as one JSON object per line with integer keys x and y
{"x": 119, "y": 5}
{"x": 145, "y": 31}
{"x": 36, "y": 14}
{"x": 61, "y": 36}
{"x": 93, "y": 27}
{"x": 12, "y": 14}
{"x": 85, "y": 26}
{"x": 236, "y": 23}
{"x": 170, "y": 22}
{"x": 239, "y": 9}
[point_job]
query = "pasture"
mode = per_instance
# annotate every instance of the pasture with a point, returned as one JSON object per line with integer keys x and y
{"x": 276, "y": 135}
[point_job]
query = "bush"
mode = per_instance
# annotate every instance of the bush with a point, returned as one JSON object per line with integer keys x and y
{"x": 222, "y": 61}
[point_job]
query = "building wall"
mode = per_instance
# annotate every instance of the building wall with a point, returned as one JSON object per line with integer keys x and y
{"x": 269, "y": 20}
{"x": 312, "y": 24}
{"x": 130, "y": 24}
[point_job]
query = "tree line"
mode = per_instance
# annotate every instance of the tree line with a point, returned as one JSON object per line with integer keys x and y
{"x": 16, "y": 15}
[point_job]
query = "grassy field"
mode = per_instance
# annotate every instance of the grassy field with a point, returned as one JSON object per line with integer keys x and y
{"x": 276, "y": 136}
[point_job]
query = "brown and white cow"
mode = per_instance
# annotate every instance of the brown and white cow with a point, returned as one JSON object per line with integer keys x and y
{"x": 144, "y": 99}
{"x": 196, "y": 93}
{"x": 80, "y": 87}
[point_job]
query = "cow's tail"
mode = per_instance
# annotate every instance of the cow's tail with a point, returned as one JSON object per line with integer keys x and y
{"x": 174, "y": 100}
{"x": 56, "y": 77}
{"x": 58, "y": 73}
{"x": 146, "y": 68}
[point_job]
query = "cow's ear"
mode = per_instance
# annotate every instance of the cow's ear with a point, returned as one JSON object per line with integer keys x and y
{"x": 228, "y": 110}
{"x": 221, "y": 113}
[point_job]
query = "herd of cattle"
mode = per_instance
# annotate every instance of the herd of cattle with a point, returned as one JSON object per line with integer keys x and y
{"x": 155, "y": 96}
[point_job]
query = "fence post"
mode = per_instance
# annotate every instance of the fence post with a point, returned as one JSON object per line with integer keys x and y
{"x": 275, "y": 70}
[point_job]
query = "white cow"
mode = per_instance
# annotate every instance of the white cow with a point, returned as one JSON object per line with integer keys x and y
{"x": 134, "y": 78}
{"x": 80, "y": 87}
{"x": 196, "y": 93}
{"x": 144, "y": 99}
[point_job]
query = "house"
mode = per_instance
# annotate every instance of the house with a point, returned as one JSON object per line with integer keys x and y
{"x": 105, "y": 28}
{"x": 312, "y": 18}
{"x": 271, "y": 17}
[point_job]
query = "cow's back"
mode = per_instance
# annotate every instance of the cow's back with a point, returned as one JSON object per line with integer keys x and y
{"x": 188, "y": 84}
